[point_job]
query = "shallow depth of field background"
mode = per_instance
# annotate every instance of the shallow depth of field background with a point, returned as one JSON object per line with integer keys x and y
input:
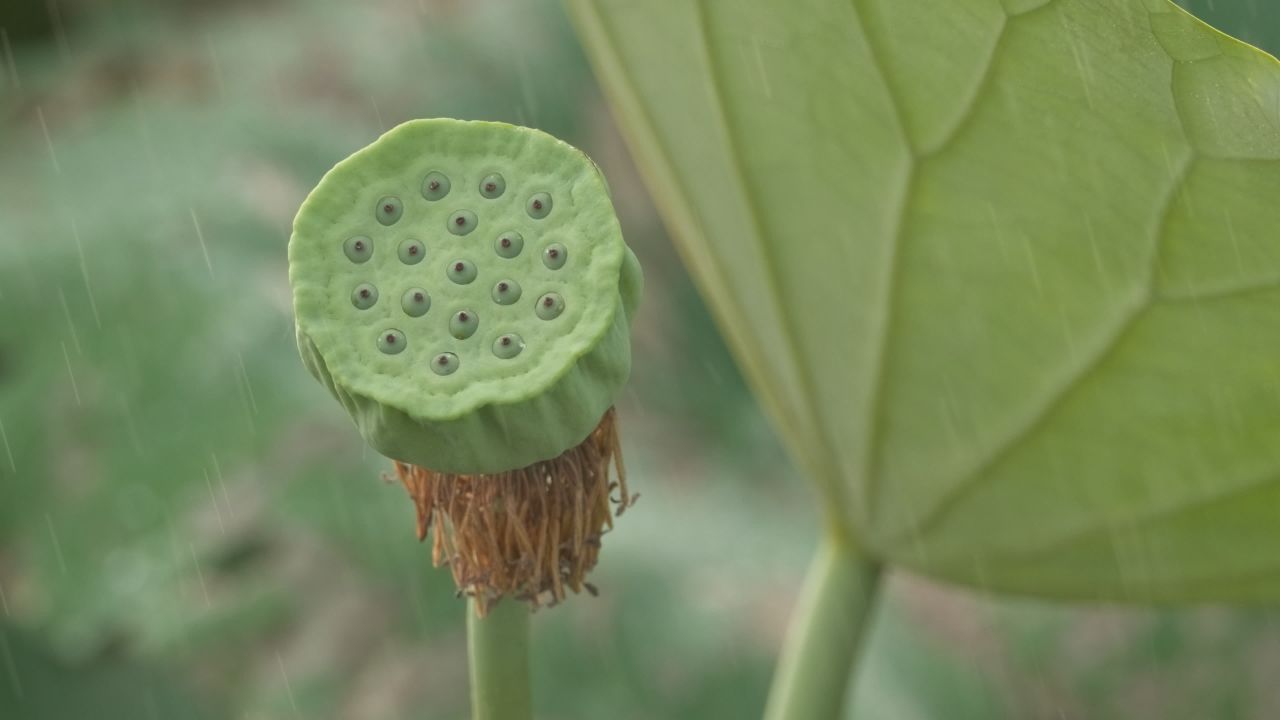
{"x": 190, "y": 527}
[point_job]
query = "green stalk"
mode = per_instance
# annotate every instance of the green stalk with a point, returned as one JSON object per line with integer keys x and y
{"x": 824, "y": 640}
{"x": 498, "y": 653}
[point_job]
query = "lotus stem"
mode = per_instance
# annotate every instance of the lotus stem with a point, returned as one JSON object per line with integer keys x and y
{"x": 498, "y": 655}
{"x": 824, "y": 641}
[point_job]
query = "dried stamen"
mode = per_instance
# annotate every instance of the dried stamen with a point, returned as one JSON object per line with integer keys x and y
{"x": 529, "y": 534}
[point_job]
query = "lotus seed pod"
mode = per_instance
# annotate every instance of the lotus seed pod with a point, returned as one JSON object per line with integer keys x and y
{"x": 499, "y": 366}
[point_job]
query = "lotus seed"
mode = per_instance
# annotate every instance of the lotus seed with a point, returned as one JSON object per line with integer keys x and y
{"x": 389, "y": 210}
{"x": 508, "y": 244}
{"x": 539, "y": 205}
{"x": 391, "y": 342}
{"x": 358, "y": 249}
{"x": 412, "y": 252}
{"x": 549, "y": 306}
{"x": 444, "y": 363}
{"x": 435, "y": 186}
{"x": 461, "y": 272}
{"x": 492, "y": 186}
{"x": 508, "y": 346}
{"x": 364, "y": 296}
{"x": 463, "y": 324}
{"x": 415, "y": 302}
{"x": 555, "y": 256}
{"x": 462, "y": 222}
{"x": 506, "y": 292}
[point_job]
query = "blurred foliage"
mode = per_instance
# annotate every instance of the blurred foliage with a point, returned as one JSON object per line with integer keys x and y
{"x": 1255, "y": 21}
{"x": 190, "y": 528}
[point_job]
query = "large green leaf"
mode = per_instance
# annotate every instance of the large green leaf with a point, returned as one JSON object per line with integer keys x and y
{"x": 1005, "y": 274}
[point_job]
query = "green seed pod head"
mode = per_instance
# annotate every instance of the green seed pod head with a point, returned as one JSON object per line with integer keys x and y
{"x": 526, "y": 384}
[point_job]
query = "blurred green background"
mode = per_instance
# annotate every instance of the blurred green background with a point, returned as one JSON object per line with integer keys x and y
{"x": 191, "y": 528}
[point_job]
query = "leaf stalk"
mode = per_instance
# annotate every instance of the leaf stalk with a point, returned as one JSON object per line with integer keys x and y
{"x": 498, "y": 661}
{"x": 824, "y": 640}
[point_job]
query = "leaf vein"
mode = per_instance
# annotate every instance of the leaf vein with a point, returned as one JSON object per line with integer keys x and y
{"x": 1058, "y": 396}
{"x": 971, "y": 103}
{"x": 830, "y": 480}
{"x": 1223, "y": 293}
{"x": 1137, "y": 520}
{"x": 872, "y": 446}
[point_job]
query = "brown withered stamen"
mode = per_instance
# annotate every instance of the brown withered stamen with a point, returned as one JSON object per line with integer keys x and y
{"x": 529, "y": 533}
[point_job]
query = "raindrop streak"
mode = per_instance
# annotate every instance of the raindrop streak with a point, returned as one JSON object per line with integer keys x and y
{"x": 200, "y": 575}
{"x": 57, "y": 546}
{"x": 1031, "y": 260}
{"x": 995, "y": 225}
{"x": 200, "y": 236}
{"x": 75, "y": 389}
{"x": 71, "y": 325}
{"x": 48, "y": 141}
{"x": 213, "y": 497}
{"x": 287, "y": 687}
{"x": 144, "y": 131}
{"x": 84, "y": 273}
{"x": 1235, "y": 245}
{"x": 1097, "y": 257}
{"x": 8, "y": 56}
{"x": 222, "y": 482}
{"x": 10, "y": 666}
{"x": 1082, "y": 67}
{"x": 377, "y": 113}
{"x": 213, "y": 63}
{"x": 248, "y": 387}
{"x": 760, "y": 70}
{"x": 528, "y": 96}
{"x": 132, "y": 426}
{"x": 1066, "y": 330}
{"x": 8, "y": 451}
{"x": 59, "y": 29}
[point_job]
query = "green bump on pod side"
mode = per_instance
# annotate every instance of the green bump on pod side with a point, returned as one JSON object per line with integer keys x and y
{"x": 417, "y": 391}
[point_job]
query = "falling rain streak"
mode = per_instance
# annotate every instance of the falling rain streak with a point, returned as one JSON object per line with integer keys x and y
{"x": 71, "y": 325}
{"x": 132, "y": 425}
{"x": 247, "y": 399}
{"x": 195, "y": 221}
{"x": 8, "y": 451}
{"x": 195, "y": 563}
{"x": 48, "y": 141}
{"x": 8, "y": 58}
{"x": 57, "y": 545}
{"x": 84, "y": 274}
{"x": 213, "y": 498}
{"x": 288, "y": 687}
{"x": 11, "y": 668}
{"x": 59, "y": 29}
{"x": 75, "y": 388}
{"x": 236, "y": 111}
{"x": 222, "y": 482}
